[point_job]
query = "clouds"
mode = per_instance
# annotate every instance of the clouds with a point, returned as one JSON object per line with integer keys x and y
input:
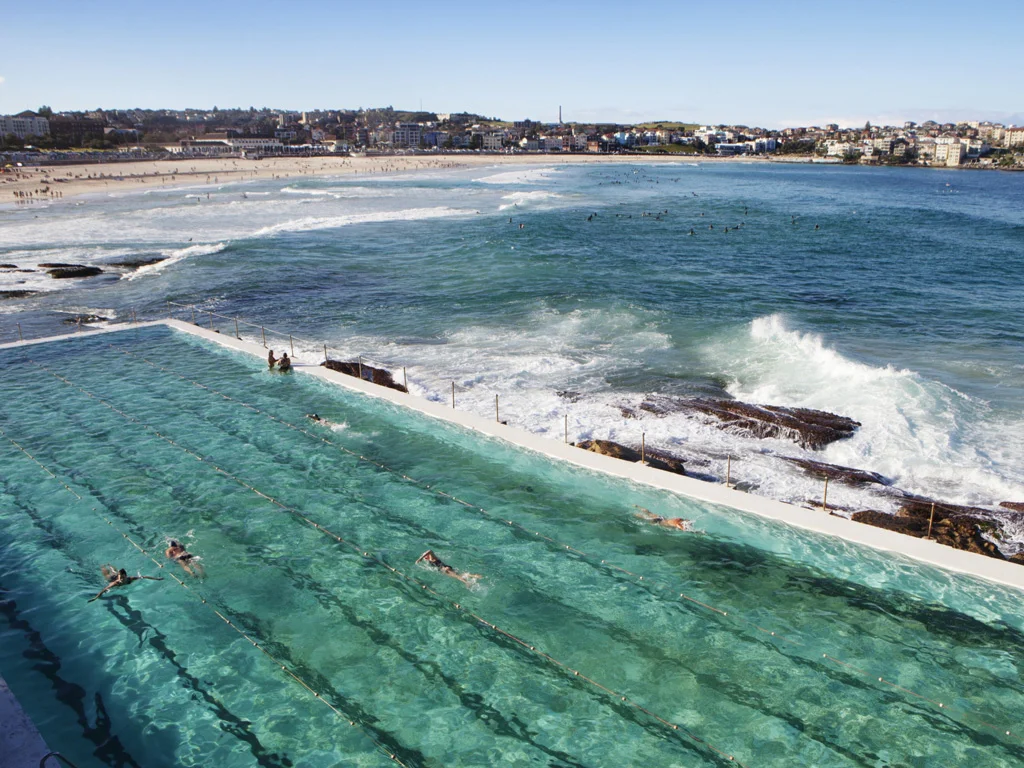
{"x": 2, "y": 78}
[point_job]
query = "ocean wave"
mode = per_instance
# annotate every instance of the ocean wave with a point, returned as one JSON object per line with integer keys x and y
{"x": 310, "y": 223}
{"x": 528, "y": 176}
{"x": 175, "y": 256}
{"x": 526, "y": 198}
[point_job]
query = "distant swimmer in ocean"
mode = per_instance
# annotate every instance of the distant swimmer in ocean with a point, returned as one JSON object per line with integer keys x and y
{"x": 118, "y": 578}
{"x": 433, "y": 561}
{"x": 678, "y": 523}
{"x": 284, "y": 364}
{"x": 185, "y": 559}
{"x": 271, "y": 360}
{"x": 318, "y": 419}
{"x": 692, "y": 232}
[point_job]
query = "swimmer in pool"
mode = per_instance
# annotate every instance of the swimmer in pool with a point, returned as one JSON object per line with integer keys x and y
{"x": 271, "y": 360}
{"x": 432, "y": 560}
{"x": 284, "y": 364}
{"x": 677, "y": 523}
{"x": 185, "y": 559}
{"x": 118, "y": 578}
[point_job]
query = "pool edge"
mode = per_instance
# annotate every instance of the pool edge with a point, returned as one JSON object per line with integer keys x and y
{"x": 21, "y": 744}
{"x": 817, "y": 521}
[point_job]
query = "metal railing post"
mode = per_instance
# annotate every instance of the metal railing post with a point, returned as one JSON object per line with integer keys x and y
{"x": 326, "y": 358}
{"x": 931, "y": 519}
{"x": 20, "y": 337}
{"x": 643, "y": 447}
{"x": 360, "y": 359}
{"x": 496, "y": 417}
{"x": 405, "y": 379}
{"x": 453, "y": 394}
{"x": 728, "y": 471}
{"x": 211, "y": 319}
{"x": 134, "y": 318}
{"x": 193, "y": 315}
{"x": 567, "y": 429}
{"x": 824, "y": 498}
{"x": 237, "y": 334}
{"x": 291, "y": 343}
{"x": 263, "y": 331}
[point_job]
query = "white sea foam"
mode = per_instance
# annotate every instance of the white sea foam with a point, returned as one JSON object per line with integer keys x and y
{"x": 310, "y": 223}
{"x": 522, "y": 176}
{"x": 516, "y": 199}
{"x": 177, "y": 255}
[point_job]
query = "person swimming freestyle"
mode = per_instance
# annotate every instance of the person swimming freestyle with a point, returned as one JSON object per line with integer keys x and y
{"x": 433, "y": 561}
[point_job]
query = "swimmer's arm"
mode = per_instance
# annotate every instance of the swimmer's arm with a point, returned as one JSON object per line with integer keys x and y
{"x": 101, "y": 592}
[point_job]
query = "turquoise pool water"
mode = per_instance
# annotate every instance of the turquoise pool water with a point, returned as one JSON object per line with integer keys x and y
{"x": 150, "y": 676}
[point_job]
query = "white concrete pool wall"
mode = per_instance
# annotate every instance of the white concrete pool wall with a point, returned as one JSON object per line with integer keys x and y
{"x": 818, "y": 521}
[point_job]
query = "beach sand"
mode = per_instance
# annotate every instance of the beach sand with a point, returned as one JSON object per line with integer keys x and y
{"x": 42, "y": 183}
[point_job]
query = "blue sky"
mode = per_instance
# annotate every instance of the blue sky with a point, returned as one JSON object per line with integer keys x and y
{"x": 770, "y": 64}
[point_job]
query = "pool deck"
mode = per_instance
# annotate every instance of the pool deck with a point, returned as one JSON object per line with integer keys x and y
{"x": 818, "y": 521}
{"x": 21, "y": 746}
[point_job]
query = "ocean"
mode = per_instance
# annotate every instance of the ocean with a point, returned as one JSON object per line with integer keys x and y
{"x": 890, "y": 296}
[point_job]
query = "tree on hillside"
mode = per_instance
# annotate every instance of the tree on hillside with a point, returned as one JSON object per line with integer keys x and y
{"x": 45, "y": 111}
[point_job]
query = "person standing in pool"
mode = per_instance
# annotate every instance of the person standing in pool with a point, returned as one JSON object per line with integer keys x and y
{"x": 284, "y": 364}
{"x": 271, "y": 360}
{"x": 185, "y": 559}
{"x": 119, "y": 578}
{"x": 433, "y": 561}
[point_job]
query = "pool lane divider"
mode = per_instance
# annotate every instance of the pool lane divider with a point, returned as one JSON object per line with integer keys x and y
{"x": 458, "y": 607}
{"x": 561, "y": 546}
{"x": 383, "y": 749}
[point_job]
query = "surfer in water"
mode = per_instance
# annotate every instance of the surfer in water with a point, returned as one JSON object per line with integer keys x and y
{"x": 676, "y": 523}
{"x": 433, "y": 561}
{"x": 118, "y": 578}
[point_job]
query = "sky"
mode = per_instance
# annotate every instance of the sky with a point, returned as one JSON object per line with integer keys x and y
{"x": 750, "y": 63}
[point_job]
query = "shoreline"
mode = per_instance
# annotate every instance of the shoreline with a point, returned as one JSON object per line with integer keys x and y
{"x": 36, "y": 183}
{"x": 143, "y": 175}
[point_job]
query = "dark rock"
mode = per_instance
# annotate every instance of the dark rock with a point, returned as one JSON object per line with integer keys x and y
{"x": 16, "y": 294}
{"x": 656, "y": 459}
{"x": 142, "y": 261}
{"x": 62, "y": 273}
{"x": 84, "y": 319}
{"x": 1016, "y": 506}
{"x": 837, "y": 473}
{"x": 807, "y": 427}
{"x": 376, "y": 375}
{"x": 627, "y": 412}
{"x": 56, "y": 265}
{"x": 8, "y": 266}
{"x": 1018, "y": 558}
{"x": 950, "y": 527}
{"x": 570, "y": 395}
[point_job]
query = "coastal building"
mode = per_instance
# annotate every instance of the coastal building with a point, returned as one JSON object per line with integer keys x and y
{"x": 407, "y": 135}
{"x": 24, "y": 124}
{"x": 214, "y": 144}
{"x": 492, "y": 142}
{"x": 1013, "y": 136}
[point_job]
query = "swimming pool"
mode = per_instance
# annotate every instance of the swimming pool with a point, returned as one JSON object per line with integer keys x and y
{"x": 164, "y": 435}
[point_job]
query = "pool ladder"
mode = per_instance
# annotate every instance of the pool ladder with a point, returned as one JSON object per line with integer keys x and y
{"x": 56, "y": 756}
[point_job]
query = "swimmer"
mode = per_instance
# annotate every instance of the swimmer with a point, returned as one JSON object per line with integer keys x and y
{"x": 284, "y": 364}
{"x": 185, "y": 559}
{"x": 118, "y": 578}
{"x": 271, "y": 360}
{"x": 318, "y": 419}
{"x": 432, "y": 560}
{"x": 677, "y": 523}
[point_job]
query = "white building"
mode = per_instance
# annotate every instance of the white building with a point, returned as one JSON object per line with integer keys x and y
{"x": 492, "y": 142}
{"x": 24, "y": 124}
{"x": 406, "y": 135}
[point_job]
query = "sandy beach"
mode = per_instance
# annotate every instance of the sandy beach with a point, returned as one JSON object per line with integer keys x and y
{"x": 49, "y": 182}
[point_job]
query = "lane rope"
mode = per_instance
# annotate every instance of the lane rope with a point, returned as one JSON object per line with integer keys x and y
{"x": 561, "y": 546}
{"x": 366, "y": 555}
